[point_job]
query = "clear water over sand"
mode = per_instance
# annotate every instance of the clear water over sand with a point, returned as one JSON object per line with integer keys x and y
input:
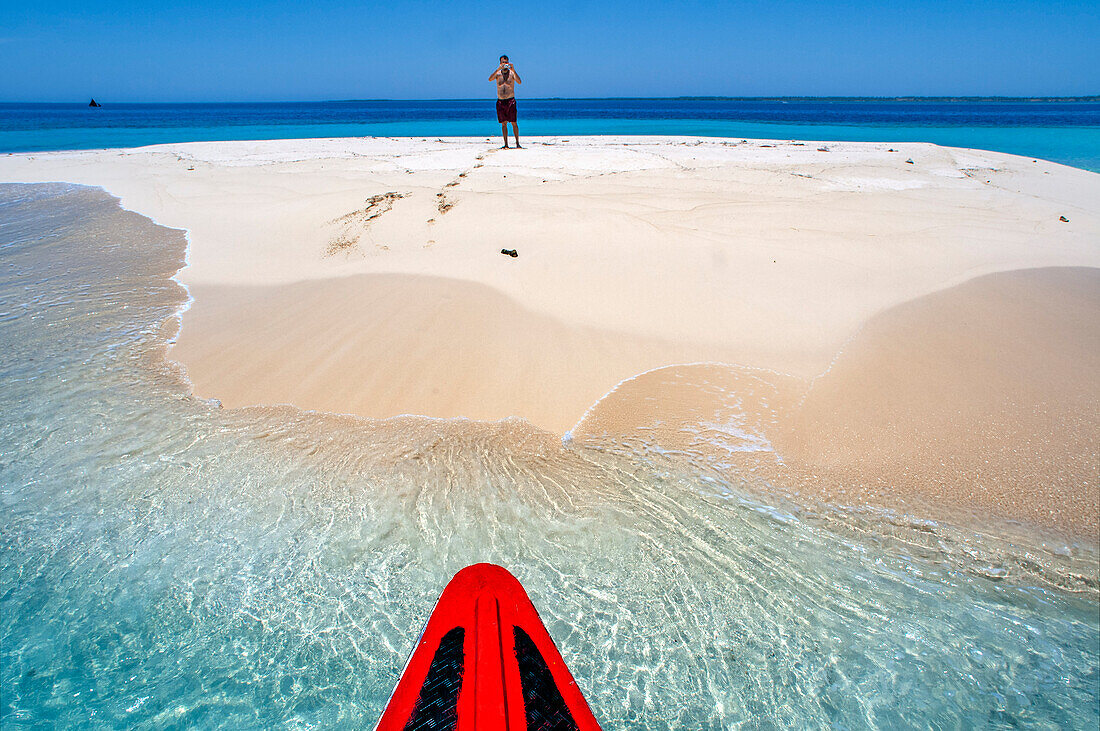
{"x": 165, "y": 561}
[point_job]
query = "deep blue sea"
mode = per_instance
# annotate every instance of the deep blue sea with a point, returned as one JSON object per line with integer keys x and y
{"x": 1065, "y": 132}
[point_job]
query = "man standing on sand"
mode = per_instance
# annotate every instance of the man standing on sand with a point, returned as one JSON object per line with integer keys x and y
{"x": 506, "y": 78}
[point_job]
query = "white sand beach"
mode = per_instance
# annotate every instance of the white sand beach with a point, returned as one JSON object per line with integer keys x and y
{"x": 364, "y": 276}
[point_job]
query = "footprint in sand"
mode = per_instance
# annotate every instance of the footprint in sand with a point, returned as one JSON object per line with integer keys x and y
{"x": 351, "y": 226}
{"x": 443, "y": 204}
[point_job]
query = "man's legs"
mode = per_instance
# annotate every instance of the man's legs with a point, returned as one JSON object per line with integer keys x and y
{"x": 504, "y": 133}
{"x": 515, "y": 131}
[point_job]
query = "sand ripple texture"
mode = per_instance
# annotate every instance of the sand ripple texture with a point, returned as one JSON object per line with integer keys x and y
{"x": 167, "y": 563}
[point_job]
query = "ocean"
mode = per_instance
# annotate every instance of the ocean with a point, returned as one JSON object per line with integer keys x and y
{"x": 166, "y": 563}
{"x": 1067, "y": 132}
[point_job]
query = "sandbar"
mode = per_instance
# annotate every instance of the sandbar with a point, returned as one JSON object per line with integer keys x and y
{"x": 364, "y": 276}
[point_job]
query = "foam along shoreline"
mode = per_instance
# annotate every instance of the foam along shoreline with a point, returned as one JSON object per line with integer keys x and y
{"x": 364, "y": 276}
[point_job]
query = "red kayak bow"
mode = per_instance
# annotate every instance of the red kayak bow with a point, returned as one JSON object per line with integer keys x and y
{"x": 486, "y": 663}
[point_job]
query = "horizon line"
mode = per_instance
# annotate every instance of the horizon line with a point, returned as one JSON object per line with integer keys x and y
{"x": 690, "y": 97}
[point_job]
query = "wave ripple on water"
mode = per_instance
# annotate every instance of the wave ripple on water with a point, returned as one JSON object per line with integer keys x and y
{"x": 167, "y": 562}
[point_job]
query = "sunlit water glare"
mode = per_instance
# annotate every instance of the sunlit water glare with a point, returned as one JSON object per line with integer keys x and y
{"x": 167, "y": 563}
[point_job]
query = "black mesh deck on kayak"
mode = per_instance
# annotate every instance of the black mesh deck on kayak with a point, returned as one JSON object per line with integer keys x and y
{"x": 542, "y": 702}
{"x": 436, "y": 707}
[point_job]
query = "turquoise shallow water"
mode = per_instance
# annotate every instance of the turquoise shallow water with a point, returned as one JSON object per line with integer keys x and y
{"x": 166, "y": 563}
{"x": 1067, "y": 132}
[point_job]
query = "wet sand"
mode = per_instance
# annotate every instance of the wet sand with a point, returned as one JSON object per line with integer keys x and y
{"x": 978, "y": 402}
{"x": 381, "y": 345}
{"x": 986, "y": 395}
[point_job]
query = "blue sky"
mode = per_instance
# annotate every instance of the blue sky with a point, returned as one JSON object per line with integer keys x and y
{"x": 198, "y": 50}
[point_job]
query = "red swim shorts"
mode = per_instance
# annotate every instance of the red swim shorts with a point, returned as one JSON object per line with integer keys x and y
{"x": 506, "y": 110}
